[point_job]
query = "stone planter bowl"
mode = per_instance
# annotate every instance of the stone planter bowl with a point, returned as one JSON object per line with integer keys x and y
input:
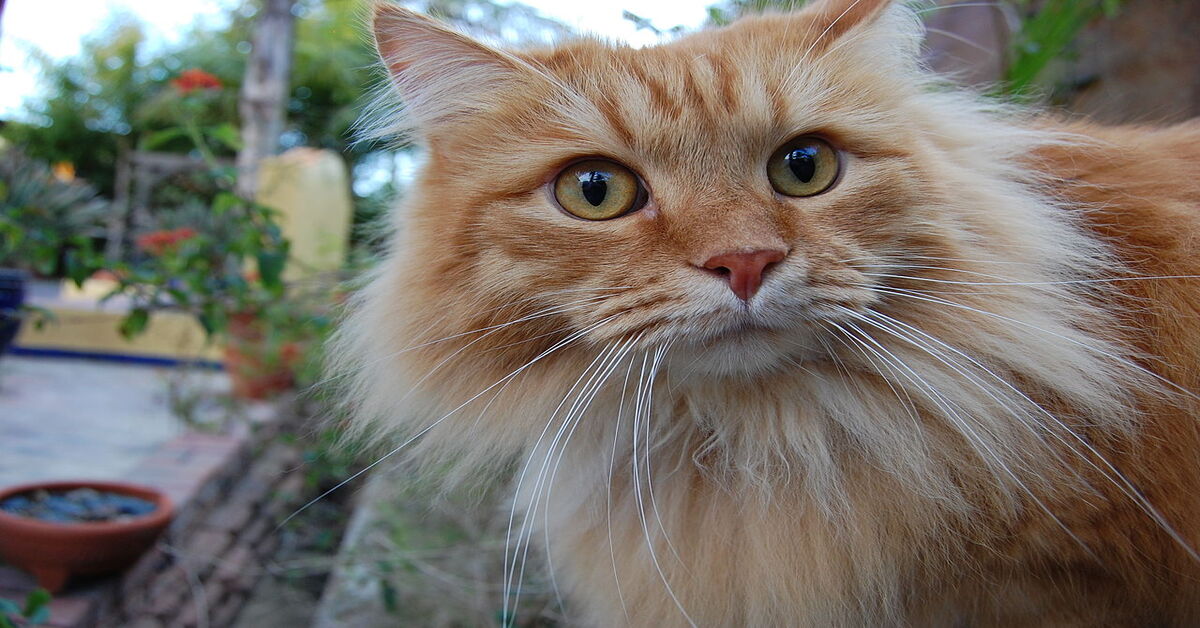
{"x": 53, "y": 552}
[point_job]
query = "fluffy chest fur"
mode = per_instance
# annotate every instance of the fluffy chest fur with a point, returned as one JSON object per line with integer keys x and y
{"x": 780, "y": 331}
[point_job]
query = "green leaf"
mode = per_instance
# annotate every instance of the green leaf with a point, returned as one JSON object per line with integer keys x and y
{"x": 35, "y": 609}
{"x": 224, "y": 202}
{"x": 226, "y": 135}
{"x": 135, "y": 323}
{"x": 1046, "y": 35}
{"x": 13, "y": 236}
{"x": 45, "y": 259}
{"x": 39, "y": 315}
{"x": 180, "y": 297}
{"x": 78, "y": 265}
{"x": 390, "y": 599}
{"x": 212, "y": 318}
{"x": 270, "y": 268}
{"x": 162, "y": 138}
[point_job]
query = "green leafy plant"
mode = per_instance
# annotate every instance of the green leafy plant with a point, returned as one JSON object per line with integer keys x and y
{"x": 724, "y": 13}
{"x": 35, "y": 610}
{"x": 195, "y": 101}
{"x": 213, "y": 262}
{"x": 218, "y": 261}
{"x": 48, "y": 221}
{"x": 1047, "y": 30}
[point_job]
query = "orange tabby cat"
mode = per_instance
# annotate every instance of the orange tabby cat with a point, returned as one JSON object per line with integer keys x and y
{"x": 782, "y": 331}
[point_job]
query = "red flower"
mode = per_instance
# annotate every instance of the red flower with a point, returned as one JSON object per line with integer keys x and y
{"x": 158, "y": 242}
{"x": 191, "y": 80}
{"x": 289, "y": 353}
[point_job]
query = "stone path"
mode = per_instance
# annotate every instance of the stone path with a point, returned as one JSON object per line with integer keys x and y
{"x": 83, "y": 419}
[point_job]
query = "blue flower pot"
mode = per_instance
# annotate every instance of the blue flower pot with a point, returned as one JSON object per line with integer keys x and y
{"x": 12, "y": 297}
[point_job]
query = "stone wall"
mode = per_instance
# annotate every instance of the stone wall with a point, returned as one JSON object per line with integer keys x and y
{"x": 202, "y": 570}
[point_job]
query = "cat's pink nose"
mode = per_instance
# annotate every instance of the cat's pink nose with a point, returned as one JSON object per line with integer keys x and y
{"x": 744, "y": 269}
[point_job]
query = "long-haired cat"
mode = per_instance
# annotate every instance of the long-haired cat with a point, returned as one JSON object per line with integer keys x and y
{"x": 780, "y": 330}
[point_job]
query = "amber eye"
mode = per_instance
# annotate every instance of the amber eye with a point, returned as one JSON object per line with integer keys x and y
{"x": 804, "y": 166}
{"x": 597, "y": 189}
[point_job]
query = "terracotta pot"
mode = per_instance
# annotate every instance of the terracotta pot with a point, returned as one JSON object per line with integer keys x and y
{"x": 252, "y": 378}
{"x": 53, "y": 552}
{"x": 254, "y": 374}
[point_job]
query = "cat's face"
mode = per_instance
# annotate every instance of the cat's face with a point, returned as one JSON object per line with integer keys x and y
{"x": 818, "y": 240}
{"x": 722, "y": 193}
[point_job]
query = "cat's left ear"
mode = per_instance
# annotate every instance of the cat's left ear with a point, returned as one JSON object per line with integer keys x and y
{"x": 832, "y": 19}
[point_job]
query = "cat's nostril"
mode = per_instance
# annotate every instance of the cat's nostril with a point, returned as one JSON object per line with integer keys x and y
{"x": 744, "y": 269}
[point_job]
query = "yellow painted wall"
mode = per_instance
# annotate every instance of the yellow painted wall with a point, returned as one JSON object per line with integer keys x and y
{"x": 82, "y": 325}
{"x": 311, "y": 191}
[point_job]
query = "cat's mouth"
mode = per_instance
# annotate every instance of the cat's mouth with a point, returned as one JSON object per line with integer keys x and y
{"x": 753, "y": 349}
{"x": 775, "y": 330}
{"x": 748, "y": 342}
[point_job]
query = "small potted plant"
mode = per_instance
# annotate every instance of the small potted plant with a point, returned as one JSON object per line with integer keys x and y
{"x": 48, "y": 222}
{"x": 55, "y": 530}
{"x": 262, "y": 351}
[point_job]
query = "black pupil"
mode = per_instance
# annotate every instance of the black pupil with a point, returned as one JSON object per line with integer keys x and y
{"x": 803, "y": 163}
{"x": 594, "y": 185}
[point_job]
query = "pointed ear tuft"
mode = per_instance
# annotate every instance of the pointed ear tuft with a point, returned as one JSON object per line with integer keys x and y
{"x": 441, "y": 76}
{"x": 834, "y": 18}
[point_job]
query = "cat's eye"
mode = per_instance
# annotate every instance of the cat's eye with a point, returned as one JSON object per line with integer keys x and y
{"x": 598, "y": 189}
{"x": 805, "y": 166}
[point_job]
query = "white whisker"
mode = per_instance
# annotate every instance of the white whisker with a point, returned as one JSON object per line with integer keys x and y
{"x": 642, "y": 413}
{"x": 566, "y": 341}
{"x": 574, "y": 416}
{"x": 1109, "y": 472}
{"x": 1065, "y": 282}
{"x": 1123, "y": 361}
{"x": 510, "y": 570}
{"x": 608, "y": 489}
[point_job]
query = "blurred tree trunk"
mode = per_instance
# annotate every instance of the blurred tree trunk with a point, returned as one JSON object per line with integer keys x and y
{"x": 265, "y": 90}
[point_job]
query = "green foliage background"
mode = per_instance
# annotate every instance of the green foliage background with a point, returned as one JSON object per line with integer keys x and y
{"x": 117, "y": 92}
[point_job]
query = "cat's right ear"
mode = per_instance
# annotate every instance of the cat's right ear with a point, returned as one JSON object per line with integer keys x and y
{"x": 441, "y": 76}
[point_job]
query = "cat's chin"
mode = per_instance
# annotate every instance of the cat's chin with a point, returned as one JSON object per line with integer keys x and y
{"x": 748, "y": 353}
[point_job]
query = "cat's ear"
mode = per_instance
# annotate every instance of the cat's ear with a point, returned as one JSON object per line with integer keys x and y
{"x": 831, "y": 19}
{"x": 441, "y": 76}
